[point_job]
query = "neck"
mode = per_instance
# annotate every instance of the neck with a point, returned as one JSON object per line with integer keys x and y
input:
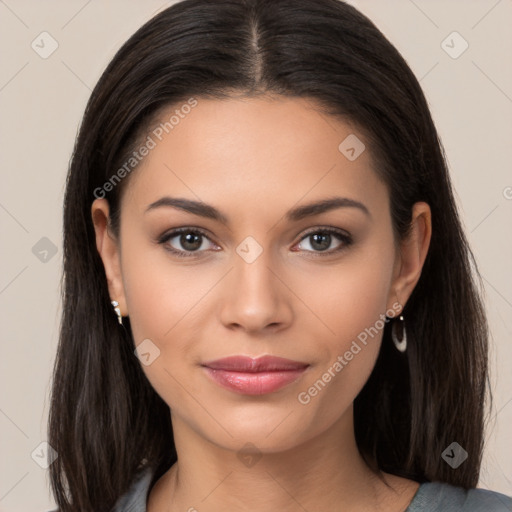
{"x": 323, "y": 473}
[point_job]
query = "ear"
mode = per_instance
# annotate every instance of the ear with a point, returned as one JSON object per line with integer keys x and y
{"x": 109, "y": 250}
{"x": 411, "y": 255}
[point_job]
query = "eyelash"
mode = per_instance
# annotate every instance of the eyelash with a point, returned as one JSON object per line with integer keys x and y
{"x": 345, "y": 239}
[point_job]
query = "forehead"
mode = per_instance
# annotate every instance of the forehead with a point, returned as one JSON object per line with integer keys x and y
{"x": 254, "y": 151}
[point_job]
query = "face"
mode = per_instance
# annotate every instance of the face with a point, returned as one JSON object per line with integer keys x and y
{"x": 253, "y": 272}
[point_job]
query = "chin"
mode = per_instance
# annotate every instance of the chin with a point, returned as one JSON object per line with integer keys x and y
{"x": 271, "y": 429}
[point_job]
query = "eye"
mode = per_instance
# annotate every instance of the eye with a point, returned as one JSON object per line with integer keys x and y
{"x": 321, "y": 239}
{"x": 184, "y": 242}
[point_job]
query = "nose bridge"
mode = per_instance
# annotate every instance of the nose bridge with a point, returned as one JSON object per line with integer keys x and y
{"x": 252, "y": 266}
{"x": 253, "y": 276}
{"x": 255, "y": 297}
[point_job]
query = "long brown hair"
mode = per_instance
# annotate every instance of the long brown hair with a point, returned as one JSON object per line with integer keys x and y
{"x": 106, "y": 422}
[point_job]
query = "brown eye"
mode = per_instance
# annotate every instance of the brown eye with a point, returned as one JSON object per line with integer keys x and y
{"x": 322, "y": 239}
{"x": 184, "y": 242}
{"x": 190, "y": 241}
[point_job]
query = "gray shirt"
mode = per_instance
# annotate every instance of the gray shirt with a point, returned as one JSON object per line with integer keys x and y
{"x": 430, "y": 497}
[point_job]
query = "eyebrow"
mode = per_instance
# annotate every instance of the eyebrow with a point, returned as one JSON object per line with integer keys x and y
{"x": 205, "y": 210}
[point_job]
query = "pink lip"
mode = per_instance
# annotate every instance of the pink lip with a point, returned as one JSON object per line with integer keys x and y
{"x": 254, "y": 376}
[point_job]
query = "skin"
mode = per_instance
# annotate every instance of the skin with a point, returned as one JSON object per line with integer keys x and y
{"x": 255, "y": 159}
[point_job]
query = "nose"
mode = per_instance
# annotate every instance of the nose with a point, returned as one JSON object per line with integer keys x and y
{"x": 255, "y": 297}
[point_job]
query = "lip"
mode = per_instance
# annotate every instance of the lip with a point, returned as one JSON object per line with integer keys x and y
{"x": 254, "y": 376}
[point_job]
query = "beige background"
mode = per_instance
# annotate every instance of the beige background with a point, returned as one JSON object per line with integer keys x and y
{"x": 42, "y": 101}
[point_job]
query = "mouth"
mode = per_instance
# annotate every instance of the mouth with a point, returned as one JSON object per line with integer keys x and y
{"x": 248, "y": 376}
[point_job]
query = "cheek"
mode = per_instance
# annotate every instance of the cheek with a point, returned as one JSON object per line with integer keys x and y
{"x": 353, "y": 306}
{"x": 160, "y": 294}
{"x": 167, "y": 304}
{"x": 352, "y": 296}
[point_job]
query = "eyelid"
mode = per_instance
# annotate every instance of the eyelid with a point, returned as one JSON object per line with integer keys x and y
{"x": 325, "y": 229}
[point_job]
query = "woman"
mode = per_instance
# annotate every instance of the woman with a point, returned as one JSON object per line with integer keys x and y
{"x": 268, "y": 295}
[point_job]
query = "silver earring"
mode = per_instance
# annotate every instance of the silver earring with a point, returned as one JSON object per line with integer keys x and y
{"x": 401, "y": 345}
{"x": 118, "y": 311}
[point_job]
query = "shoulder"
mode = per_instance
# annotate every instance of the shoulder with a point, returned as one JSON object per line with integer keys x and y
{"x": 135, "y": 499}
{"x": 439, "y": 496}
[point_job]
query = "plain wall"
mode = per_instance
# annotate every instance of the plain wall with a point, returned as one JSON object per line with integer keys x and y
{"x": 42, "y": 101}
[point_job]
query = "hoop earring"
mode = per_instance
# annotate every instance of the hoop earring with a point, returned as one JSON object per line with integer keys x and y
{"x": 401, "y": 345}
{"x": 118, "y": 311}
